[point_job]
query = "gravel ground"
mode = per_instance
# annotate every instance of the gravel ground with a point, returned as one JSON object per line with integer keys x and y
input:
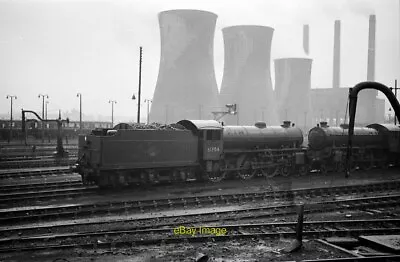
{"x": 250, "y": 250}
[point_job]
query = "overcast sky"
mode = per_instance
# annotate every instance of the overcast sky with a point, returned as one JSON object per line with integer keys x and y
{"x": 63, "y": 47}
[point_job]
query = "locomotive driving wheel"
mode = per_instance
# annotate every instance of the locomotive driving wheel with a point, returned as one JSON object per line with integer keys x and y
{"x": 270, "y": 172}
{"x": 216, "y": 175}
{"x": 247, "y": 172}
{"x": 285, "y": 170}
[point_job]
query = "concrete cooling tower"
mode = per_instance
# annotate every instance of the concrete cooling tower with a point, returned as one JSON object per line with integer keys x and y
{"x": 247, "y": 79}
{"x": 186, "y": 85}
{"x": 292, "y": 90}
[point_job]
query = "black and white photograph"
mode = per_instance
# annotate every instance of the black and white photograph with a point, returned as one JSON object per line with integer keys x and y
{"x": 200, "y": 130}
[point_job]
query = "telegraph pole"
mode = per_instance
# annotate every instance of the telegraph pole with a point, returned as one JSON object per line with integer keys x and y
{"x": 43, "y": 96}
{"x": 112, "y": 111}
{"x": 11, "y": 116}
{"x": 140, "y": 84}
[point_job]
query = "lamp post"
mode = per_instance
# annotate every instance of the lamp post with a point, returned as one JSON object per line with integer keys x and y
{"x": 11, "y": 116}
{"x": 43, "y": 96}
{"x": 148, "y": 101}
{"x": 80, "y": 112}
{"x": 140, "y": 84}
{"x": 112, "y": 111}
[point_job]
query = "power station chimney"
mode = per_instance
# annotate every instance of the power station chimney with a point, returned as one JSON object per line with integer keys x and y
{"x": 336, "y": 56}
{"x": 371, "y": 48}
{"x": 367, "y": 98}
{"x": 247, "y": 78}
{"x": 186, "y": 85}
{"x": 306, "y": 39}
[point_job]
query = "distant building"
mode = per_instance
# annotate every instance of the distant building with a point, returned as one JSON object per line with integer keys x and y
{"x": 329, "y": 104}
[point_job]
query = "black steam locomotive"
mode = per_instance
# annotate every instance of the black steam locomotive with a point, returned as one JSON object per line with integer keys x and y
{"x": 374, "y": 145}
{"x": 206, "y": 150}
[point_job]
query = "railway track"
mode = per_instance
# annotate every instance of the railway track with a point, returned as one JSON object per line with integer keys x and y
{"x": 135, "y": 237}
{"x": 37, "y": 163}
{"x": 10, "y": 189}
{"x": 75, "y": 190}
{"x": 15, "y": 216}
{"x": 39, "y": 155}
{"x": 27, "y": 193}
{"x": 7, "y": 148}
{"x": 82, "y": 210}
{"x": 37, "y": 172}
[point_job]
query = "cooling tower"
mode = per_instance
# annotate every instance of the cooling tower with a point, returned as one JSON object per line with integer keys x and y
{"x": 186, "y": 85}
{"x": 292, "y": 90}
{"x": 336, "y": 56}
{"x": 247, "y": 78}
{"x": 367, "y": 98}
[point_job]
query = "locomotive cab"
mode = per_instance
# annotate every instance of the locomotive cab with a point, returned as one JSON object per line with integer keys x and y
{"x": 210, "y": 141}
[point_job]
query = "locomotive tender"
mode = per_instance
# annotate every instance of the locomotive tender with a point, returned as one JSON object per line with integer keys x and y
{"x": 206, "y": 150}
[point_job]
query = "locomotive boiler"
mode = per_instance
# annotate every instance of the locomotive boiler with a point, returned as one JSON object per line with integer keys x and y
{"x": 325, "y": 136}
{"x": 264, "y": 150}
{"x": 262, "y": 136}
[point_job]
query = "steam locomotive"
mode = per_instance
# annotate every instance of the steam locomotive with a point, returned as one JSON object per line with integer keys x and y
{"x": 206, "y": 150}
{"x": 376, "y": 144}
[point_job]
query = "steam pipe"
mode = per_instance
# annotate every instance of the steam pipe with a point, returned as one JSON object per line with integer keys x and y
{"x": 353, "y": 92}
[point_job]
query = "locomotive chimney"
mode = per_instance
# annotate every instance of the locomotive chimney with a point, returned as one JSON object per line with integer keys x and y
{"x": 324, "y": 124}
{"x": 286, "y": 124}
{"x": 306, "y": 39}
{"x": 336, "y": 56}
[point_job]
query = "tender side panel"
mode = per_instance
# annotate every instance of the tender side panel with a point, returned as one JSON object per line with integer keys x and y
{"x": 130, "y": 149}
